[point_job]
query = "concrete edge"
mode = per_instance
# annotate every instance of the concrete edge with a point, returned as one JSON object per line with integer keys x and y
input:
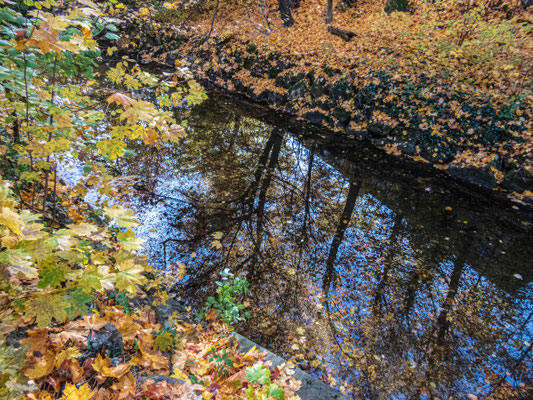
{"x": 311, "y": 389}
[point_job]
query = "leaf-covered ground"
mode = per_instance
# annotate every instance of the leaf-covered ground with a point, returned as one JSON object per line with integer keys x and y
{"x": 447, "y": 83}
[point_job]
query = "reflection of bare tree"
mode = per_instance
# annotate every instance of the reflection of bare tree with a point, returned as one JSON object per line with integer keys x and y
{"x": 392, "y": 294}
{"x": 388, "y": 263}
{"x": 277, "y": 138}
{"x": 344, "y": 220}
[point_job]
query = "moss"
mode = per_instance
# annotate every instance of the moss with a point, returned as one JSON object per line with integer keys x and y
{"x": 252, "y": 48}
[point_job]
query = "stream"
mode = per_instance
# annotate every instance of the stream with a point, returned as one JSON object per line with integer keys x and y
{"x": 384, "y": 280}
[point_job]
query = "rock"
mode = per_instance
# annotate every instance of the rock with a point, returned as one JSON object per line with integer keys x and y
{"x": 341, "y": 114}
{"x": 518, "y": 180}
{"x": 357, "y": 134}
{"x": 163, "y": 312}
{"x": 396, "y": 5}
{"x": 408, "y": 148}
{"x": 318, "y": 88}
{"x": 160, "y": 378}
{"x": 298, "y": 90}
{"x": 482, "y": 177}
{"x": 379, "y": 129}
{"x": 14, "y": 338}
{"x": 108, "y": 337}
{"x": 315, "y": 117}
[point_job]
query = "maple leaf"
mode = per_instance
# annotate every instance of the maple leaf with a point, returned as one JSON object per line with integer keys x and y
{"x": 104, "y": 368}
{"x": 90, "y": 280}
{"x": 258, "y": 374}
{"x": 121, "y": 99}
{"x": 123, "y": 217}
{"x": 41, "y": 367}
{"x": 82, "y": 229}
{"x": 163, "y": 341}
{"x": 72, "y": 392}
{"x": 37, "y": 339}
{"x": 45, "y": 307}
{"x": 52, "y": 276}
{"x": 275, "y": 392}
{"x": 11, "y": 220}
{"x": 68, "y": 354}
{"x": 128, "y": 241}
{"x": 129, "y": 276}
{"x": 77, "y": 303}
{"x": 89, "y": 323}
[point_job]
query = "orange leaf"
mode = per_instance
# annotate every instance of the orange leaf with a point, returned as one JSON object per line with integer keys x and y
{"x": 121, "y": 99}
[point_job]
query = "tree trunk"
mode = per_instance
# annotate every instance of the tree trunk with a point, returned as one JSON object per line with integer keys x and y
{"x": 285, "y": 7}
{"x": 329, "y": 13}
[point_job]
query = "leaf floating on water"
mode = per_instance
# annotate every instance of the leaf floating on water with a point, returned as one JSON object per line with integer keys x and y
{"x": 470, "y": 396}
{"x": 518, "y": 276}
{"x": 217, "y": 235}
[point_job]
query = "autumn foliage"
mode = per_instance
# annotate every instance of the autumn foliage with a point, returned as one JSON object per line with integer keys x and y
{"x": 70, "y": 266}
{"x": 446, "y": 82}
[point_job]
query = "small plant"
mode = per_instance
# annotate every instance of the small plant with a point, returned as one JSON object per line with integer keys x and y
{"x": 165, "y": 339}
{"x": 262, "y": 387}
{"x": 122, "y": 300}
{"x": 221, "y": 360}
{"x": 226, "y": 304}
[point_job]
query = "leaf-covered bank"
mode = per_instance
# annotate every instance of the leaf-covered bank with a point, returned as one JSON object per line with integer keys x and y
{"x": 447, "y": 83}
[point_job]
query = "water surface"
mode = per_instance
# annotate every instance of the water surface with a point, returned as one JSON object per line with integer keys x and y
{"x": 384, "y": 281}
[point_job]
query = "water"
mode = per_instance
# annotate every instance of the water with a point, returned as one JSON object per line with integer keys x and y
{"x": 383, "y": 280}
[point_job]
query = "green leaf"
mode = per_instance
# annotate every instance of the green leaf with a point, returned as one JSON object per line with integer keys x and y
{"x": 276, "y": 392}
{"x": 90, "y": 280}
{"x": 258, "y": 374}
{"x": 112, "y": 36}
{"x": 164, "y": 341}
{"x": 52, "y": 276}
{"x": 45, "y": 307}
{"x": 77, "y": 303}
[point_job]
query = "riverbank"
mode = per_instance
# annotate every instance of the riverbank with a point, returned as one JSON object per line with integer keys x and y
{"x": 411, "y": 105}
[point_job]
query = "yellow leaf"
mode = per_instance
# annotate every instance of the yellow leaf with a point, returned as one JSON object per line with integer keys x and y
{"x": 11, "y": 220}
{"x": 129, "y": 276}
{"x": 104, "y": 368}
{"x": 71, "y": 392}
{"x": 68, "y": 354}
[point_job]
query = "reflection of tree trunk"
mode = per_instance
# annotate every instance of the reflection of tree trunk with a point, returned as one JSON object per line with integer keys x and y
{"x": 285, "y": 11}
{"x": 308, "y": 192}
{"x": 353, "y": 193}
{"x": 260, "y": 210}
{"x": 410, "y": 295}
{"x": 443, "y": 324}
{"x": 388, "y": 263}
{"x": 250, "y": 193}
{"x": 442, "y": 320}
{"x": 305, "y": 235}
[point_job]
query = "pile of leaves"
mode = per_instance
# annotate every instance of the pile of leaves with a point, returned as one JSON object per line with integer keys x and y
{"x": 72, "y": 271}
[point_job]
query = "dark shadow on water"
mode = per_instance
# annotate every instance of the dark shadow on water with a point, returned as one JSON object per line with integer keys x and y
{"x": 382, "y": 279}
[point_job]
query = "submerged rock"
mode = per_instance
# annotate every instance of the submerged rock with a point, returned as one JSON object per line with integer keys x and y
{"x": 482, "y": 177}
{"x": 518, "y": 180}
